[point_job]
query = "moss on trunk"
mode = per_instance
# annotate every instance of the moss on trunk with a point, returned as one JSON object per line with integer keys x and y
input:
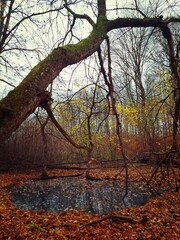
{"x": 23, "y": 100}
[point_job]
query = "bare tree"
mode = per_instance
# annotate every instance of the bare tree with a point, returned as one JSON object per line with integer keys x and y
{"x": 26, "y": 97}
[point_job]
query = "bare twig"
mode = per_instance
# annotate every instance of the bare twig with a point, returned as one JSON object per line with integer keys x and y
{"x": 80, "y": 16}
{"x": 10, "y": 84}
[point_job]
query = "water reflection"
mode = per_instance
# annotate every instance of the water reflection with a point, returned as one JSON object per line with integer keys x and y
{"x": 76, "y": 193}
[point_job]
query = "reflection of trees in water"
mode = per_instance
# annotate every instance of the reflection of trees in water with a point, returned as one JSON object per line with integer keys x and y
{"x": 93, "y": 196}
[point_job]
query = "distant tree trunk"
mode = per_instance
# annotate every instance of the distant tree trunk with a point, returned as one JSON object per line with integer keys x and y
{"x": 45, "y": 153}
{"x": 43, "y": 125}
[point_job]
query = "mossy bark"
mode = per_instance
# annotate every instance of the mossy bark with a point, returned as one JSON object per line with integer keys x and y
{"x": 24, "y": 99}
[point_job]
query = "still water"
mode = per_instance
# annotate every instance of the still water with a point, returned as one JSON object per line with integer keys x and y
{"x": 77, "y": 193}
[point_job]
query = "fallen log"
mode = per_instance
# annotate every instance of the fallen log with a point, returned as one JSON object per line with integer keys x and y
{"x": 117, "y": 218}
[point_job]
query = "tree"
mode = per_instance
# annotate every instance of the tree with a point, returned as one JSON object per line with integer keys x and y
{"x": 18, "y": 23}
{"x": 26, "y": 97}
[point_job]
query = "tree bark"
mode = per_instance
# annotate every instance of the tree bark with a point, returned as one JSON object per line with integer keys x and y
{"x": 24, "y": 99}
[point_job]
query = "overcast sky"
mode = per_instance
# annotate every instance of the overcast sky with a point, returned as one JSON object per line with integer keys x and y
{"x": 46, "y": 38}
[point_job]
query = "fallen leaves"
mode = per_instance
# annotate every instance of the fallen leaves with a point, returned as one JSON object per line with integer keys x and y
{"x": 163, "y": 214}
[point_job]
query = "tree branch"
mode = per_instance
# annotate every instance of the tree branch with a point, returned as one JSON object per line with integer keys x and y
{"x": 23, "y": 100}
{"x": 6, "y": 35}
{"x": 63, "y": 132}
{"x": 80, "y": 16}
{"x": 138, "y": 22}
{"x": 10, "y": 84}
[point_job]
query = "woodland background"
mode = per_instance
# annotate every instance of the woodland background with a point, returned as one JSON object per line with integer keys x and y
{"x": 143, "y": 87}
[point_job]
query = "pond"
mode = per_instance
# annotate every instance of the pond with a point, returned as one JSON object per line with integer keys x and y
{"x": 77, "y": 193}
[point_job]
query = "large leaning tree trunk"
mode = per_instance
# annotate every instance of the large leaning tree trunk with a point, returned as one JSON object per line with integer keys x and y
{"x": 25, "y": 98}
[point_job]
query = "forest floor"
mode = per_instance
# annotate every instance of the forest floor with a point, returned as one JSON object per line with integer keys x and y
{"x": 163, "y": 212}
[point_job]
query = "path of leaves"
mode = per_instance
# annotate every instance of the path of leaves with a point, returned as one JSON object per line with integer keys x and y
{"x": 163, "y": 213}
